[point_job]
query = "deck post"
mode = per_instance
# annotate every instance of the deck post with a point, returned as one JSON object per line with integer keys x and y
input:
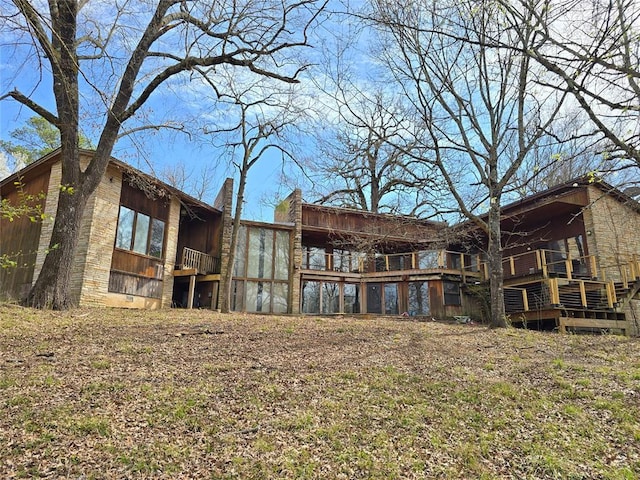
{"x": 583, "y": 294}
{"x": 611, "y": 294}
{"x": 554, "y": 291}
{"x": 192, "y": 289}
{"x": 594, "y": 266}
{"x": 525, "y": 300}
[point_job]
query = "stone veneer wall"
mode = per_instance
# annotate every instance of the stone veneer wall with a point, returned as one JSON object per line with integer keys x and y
{"x": 295, "y": 217}
{"x": 171, "y": 247}
{"x": 50, "y": 208}
{"x": 225, "y": 200}
{"x": 90, "y": 276}
{"x": 614, "y": 229}
{"x": 632, "y": 315}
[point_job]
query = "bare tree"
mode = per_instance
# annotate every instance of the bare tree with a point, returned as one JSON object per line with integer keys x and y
{"x": 199, "y": 183}
{"x": 363, "y": 161}
{"x": 592, "y": 51}
{"x": 474, "y": 103}
{"x": 261, "y": 117}
{"x": 123, "y": 61}
{"x": 564, "y": 153}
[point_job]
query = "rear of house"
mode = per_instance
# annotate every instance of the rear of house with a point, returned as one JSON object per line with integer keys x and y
{"x": 571, "y": 255}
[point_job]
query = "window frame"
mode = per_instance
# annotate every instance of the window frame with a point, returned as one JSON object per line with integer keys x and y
{"x": 133, "y": 233}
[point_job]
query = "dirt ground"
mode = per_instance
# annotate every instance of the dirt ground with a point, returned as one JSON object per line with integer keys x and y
{"x": 111, "y": 393}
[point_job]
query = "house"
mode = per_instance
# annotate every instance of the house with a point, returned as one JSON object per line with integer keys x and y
{"x": 134, "y": 231}
{"x": 571, "y": 254}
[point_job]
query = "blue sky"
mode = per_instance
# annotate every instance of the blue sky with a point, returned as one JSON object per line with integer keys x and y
{"x": 181, "y": 100}
{"x": 154, "y": 151}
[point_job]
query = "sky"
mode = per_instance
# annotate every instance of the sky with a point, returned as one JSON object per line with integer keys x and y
{"x": 188, "y": 101}
{"x": 153, "y": 152}
{"x": 182, "y": 100}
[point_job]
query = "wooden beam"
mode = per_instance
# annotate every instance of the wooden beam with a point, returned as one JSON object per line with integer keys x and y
{"x": 185, "y": 272}
{"x": 591, "y": 323}
{"x": 553, "y": 290}
{"x": 525, "y": 300}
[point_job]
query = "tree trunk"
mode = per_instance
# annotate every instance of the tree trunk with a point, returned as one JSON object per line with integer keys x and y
{"x": 52, "y": 287}
{"x": 496, "y": 285}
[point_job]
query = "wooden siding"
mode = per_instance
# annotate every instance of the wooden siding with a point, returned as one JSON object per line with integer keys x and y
{"x": 139, "y": 201}
{"x": 535, "y": 231}
{"x": 343, "y": 223}
{"x": 19, "y": 239}
{"x": 130, "y": 262}
{"x": 121, "y": 282}
{"x": 202, "y": 233}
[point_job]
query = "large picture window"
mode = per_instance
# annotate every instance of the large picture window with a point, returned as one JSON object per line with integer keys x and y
{"x": 140, "y": 233}
{"x": 261, "y": 270}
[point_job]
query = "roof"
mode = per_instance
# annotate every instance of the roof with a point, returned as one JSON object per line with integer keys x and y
{"x": 44, "y": 162}
{"x": 365, "y": 213}
{"x": 556, "y": 192}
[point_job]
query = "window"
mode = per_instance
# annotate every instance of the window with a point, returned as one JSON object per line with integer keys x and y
{"x": 140, "y": 233}
{"x": 351, "y": 298}
{"x": 451, "y": 293}
{"x": 311, "y": 297}
{"x": 314, "y": 258}
{"x": 124, "y": 234}
{"x": 261, "y": 270}
{"x": 391, "y": 298}
{"x": 330, "y": 297}
{"x": 281, "y": 267}
{"x": 418, "y": 298}
{"x": 240, "y": 267}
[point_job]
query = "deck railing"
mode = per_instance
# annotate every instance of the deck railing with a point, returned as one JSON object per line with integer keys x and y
{"x": 549, "y": 263}
{"x": 555, "y": 292}
{"x": 464, "y": 263}
{"x": 623, "y": 272}
{"x": 202, "y": 262}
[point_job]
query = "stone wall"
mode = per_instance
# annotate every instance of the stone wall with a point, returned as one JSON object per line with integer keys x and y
{"x": 90, "y": 276}
{"x": 173, "y": 225}
{"x": 294, "y": 216}
{"x": 50, "y": 209}
{"x": 225, "y": 200}
{"x": 612, "y": 228}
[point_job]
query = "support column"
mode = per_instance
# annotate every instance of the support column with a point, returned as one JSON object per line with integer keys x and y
{"x": 192, "y": 289}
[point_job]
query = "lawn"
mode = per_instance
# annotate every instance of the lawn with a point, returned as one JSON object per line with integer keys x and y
{"x": 99, "y": 393}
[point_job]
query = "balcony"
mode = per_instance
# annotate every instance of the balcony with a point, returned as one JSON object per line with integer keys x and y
{"x": 424, "y": 261}
{"x": 200, "y": 263}
{"x": 549, "y": 263}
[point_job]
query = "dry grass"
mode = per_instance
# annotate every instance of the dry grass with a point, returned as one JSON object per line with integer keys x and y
{"x": 176, "y": 394}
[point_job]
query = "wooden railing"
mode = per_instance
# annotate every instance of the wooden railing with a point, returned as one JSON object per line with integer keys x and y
{"x": 464, "y": 263}
{"x": 625, "y": 272}
{"x": 549, "y": 263}
{"x": 556, "y": 292}
{"x": 202, "y": 262}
